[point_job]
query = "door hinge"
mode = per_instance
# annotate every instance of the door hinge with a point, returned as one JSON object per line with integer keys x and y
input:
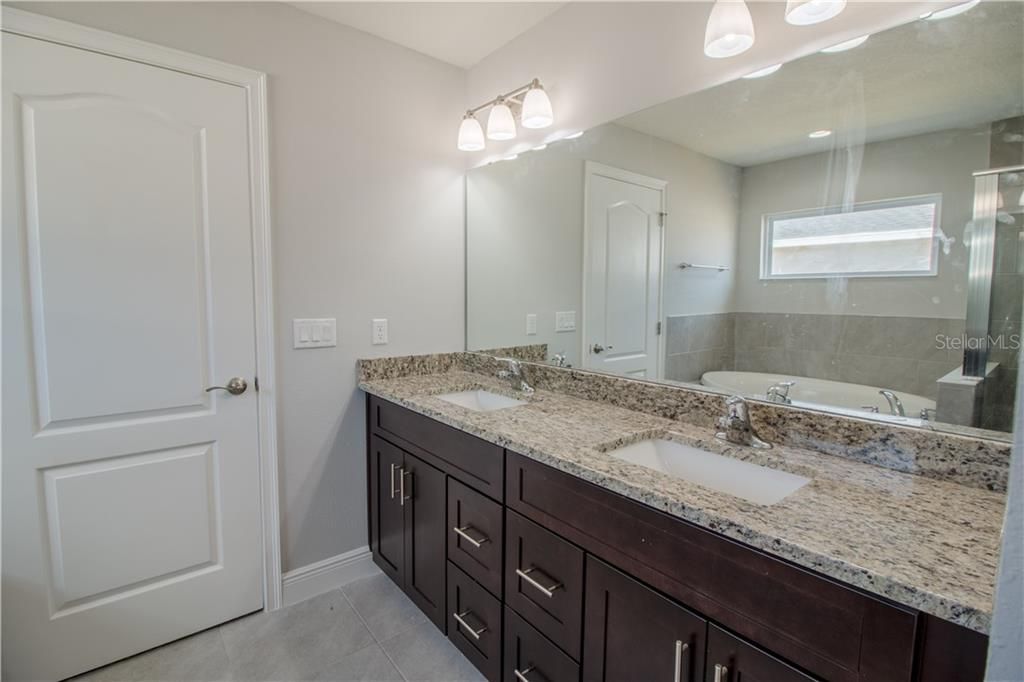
{"x": 657, "y": 329}
{"x": 256, "y": 380}
{"x": 661, "y": 218}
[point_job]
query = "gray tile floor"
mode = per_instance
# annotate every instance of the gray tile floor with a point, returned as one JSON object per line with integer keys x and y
{"x": 367, "y": 631}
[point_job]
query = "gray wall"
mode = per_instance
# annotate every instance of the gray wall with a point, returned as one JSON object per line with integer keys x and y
{"x": 525, "y": 233}
{"x": 924, "y": 164}
{"x": 367, "y": 200}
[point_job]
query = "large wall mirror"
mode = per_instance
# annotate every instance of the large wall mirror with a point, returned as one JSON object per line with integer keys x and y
{"x": 844, "y": 233}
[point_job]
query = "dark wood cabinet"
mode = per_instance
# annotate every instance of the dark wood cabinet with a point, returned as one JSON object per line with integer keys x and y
{"x": 550, "y": 577}
{"x": 407, "y": 525}
{"x": 731, "y": 659}
{"x": 634, "y": 634}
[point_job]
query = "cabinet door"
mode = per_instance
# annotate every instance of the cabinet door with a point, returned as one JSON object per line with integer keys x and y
{"x": 731, "y": 659}
{"x": 424, "y": 504}
{"x": 386, "y": 512}
{"x": 630, "y": 632}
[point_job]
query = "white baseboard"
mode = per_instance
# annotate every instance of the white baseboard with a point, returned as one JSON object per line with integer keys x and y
{"x": 308, "y": 581}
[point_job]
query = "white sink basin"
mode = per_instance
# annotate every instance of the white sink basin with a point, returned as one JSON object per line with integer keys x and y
{"x": 481, "y": 401}
{"x": 751, "y": 482}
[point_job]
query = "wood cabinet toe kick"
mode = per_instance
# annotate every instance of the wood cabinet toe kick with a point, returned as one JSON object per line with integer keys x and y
{"x": 571, "y": 581}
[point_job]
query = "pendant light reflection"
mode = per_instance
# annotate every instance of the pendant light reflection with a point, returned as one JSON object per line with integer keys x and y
{"x": 730, "y": 30}
{"x": 500, "y": 124}
{"x": 847, "y": 45}
{"x": 471, "y": 135}
{"x": 808, "y": 12}
{"x": 766, "y": 71}
{"x": 950, "y": 11}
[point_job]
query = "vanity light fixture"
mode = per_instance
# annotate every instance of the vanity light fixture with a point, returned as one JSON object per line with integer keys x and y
{"x": 807, "y": 12}
{"x": 950, "y": 11}
{"x": 534, "y": 108}
{"x": 730, "y": 30}
{"x": 818, "y": 134}
{"x": 847, "y": 44}
{"x": 766, "y": 71}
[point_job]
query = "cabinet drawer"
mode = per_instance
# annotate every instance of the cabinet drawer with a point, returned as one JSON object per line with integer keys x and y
{"x": 473, "y": 460}
{"x": 474, "y": 622}
{"x": 533, "y": 656}
{"x": 815, "y": 622}
{"x": 475, "y": 540}
{"x": 544, "y": 581}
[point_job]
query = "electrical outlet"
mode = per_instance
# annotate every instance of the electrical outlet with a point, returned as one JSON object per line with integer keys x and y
{"x": 315, "y": 333}
{"x": 380, "y": 331}
{"x": 531, "y": 324}
{"x": 565, "y": 321}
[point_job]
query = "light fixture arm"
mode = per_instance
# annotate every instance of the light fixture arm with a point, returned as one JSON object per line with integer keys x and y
{"x": 507, "y": 97}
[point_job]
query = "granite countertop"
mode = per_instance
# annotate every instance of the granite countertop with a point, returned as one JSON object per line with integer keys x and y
{"x": 929, "y": 544}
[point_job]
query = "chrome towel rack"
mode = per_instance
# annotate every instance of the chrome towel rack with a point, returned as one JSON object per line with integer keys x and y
{"x": 720, "y": 268}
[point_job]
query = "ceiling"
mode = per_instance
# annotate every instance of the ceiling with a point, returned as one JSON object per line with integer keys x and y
{"x": 962, "y": 71}
{"x": 460, "y": 33}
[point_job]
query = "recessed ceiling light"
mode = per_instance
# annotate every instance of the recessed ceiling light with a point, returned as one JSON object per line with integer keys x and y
{"x": 950, "y": 11}
{"x": 847, "y": 45}
{"x": 573, "y": 136}
{"x": 819, "y": 134}
{"x": 766, "y": 71}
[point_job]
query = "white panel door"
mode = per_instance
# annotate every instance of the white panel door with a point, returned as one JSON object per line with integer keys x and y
{"x": 130, "y": 494}
{"x": 622, "y": 272}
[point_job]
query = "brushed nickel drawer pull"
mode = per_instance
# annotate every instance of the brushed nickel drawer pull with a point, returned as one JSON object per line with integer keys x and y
{"x": 681, "y": 650}
{"x": 460, "y": 618}
{"x": 721, "y": 673}
{"x": 521, "y": 676}
{"x": 548, "y": 591}
{"x": 401, "y": 485}
{"x": 393, "y": 491}
{"x": 463, "y": 533}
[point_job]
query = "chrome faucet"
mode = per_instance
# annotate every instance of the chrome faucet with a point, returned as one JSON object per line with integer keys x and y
{"x": 779, "y": 392}
{"x": 736, "y": 426}
{"x": 559, "y": 360}
{"x": 514, "y": 375}
{"x": 895, "y": 404}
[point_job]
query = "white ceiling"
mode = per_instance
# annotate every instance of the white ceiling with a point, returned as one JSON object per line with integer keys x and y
{"x": 921, "y": 77}
{"x": 460, "y": 33}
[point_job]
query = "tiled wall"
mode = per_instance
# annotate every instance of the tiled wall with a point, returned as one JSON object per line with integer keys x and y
{"x": 895, "y": 352}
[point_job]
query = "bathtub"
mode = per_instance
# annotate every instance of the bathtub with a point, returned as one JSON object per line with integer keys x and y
{"x": 816, "y": 393}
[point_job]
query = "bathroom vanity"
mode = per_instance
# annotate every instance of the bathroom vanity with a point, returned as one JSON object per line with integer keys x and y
{"x": 544, "y": 556}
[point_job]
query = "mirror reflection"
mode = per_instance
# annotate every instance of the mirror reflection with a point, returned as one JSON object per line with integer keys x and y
{"x": 842, "y": 233}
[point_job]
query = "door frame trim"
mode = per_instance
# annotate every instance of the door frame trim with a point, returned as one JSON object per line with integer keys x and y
{"x": 590, "y": 169}
{"x": 254, "y": 83}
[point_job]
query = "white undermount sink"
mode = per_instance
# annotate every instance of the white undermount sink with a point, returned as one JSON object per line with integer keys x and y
{"x": 752, "y": 482}
{"x": 480, "y": 400}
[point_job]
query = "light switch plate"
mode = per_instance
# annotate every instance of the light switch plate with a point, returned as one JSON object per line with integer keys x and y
{"x": 380, "y": 332}
{"x": 565, "y": 321}
{"x": 531, "y": 324}
{"x": 320, "y": 332}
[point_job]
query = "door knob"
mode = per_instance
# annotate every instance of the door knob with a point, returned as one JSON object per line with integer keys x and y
{"x": 598, "y": 348}
{"x": 236, "y": 386}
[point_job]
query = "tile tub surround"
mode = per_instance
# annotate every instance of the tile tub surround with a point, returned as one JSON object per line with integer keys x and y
{"x": 928, "y": 544}
{"x": 900, "y": 353}
{"x": 969, "y": 458}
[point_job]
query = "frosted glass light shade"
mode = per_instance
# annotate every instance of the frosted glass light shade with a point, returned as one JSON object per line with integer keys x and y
{"x": 500, "y": 124}
{"x": 471, "y": 135}
{"x": 807, "y": 12}
{"x": 537, "y": 109}
{"x": 730, "y": 30}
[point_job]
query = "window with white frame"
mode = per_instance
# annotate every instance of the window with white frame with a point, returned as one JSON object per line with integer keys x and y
{"x": 892, "y": 238}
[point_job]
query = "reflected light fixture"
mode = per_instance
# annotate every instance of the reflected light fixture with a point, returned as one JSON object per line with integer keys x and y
{"x": 539, "y": 148}
{"x": 847, "y": 44}
{"x": 950, "y": 11}
{"x": 573, "y": 136}
{"x": 766, "y": 71}
{"x": 530, "y": 101}
{"x": 471, "y": 135}
{"x": 818, "y": 134}
{"x": 730, "y": 30}
{"x": 807, "y": 12}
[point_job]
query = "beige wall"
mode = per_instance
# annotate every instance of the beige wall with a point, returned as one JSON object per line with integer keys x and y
{"x": 936, "y": 163}
{"x": 525, "y": 234}
{"x": 367, "y": 216}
